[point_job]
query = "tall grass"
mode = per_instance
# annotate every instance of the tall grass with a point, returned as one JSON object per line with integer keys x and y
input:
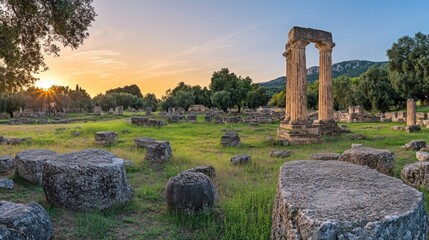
{"x": 246, "y": 193}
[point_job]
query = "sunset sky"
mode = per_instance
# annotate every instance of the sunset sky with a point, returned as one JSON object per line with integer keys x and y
{"x": 158, "y": 43}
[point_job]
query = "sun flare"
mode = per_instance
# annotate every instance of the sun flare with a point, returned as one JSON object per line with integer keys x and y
{"x": 45, "y": 83}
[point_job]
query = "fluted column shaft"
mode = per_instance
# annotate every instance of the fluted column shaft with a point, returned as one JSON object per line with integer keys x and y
{"x": 326, "y": 100}
{"x": 288, "y": 56}
{"x": 298, "y": 113}
{"x": 411, "y": 112}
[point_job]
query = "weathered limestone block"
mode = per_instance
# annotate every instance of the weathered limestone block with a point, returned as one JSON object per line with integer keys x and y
{"x": 158, "y": 152}
{"x": 207, "y": 170}
{"x": 142, "y": 142}
{"x": 422, "y": 156}
{"x": 280, "y": 153}
{"x": 22, "y": 222}
{"x": 30, "y": 164}
{"x": 381, "y": 160}
{"x": 414, "y": 128}
{"x": 415, "y": 145}
{"x": 18, "y": 141}
{"x": 240, "y": 159}
{"x": 325, "y": 156}
{"x": 97, "y": 110}
{"x": 85, "y": 180}
{"x": 119, "y": 110}
{"x": 339, "y": 200}
{"x": 398, "y": 128}
{"x": 416, "y": 174}
{"x": 230, "y": 139}
{"x": 6, "y": 184}
{"x": 7, "y": 164}
{"x": 139, "y": 120}
{"x": 105, "y": 137}
{"x": 190, "y": 192}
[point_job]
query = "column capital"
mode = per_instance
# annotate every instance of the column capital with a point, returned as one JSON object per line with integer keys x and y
{"x": 325, "y": 46}
{"x": 298, "y": 44}
{"x": 287, "y": 53}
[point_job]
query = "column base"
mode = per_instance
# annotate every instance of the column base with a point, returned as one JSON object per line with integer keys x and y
{"x": 298, "y": 134}
{"x": 328, "y": 127}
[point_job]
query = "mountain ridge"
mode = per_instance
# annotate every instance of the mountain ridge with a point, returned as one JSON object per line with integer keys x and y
{"x": 351, "y": 68}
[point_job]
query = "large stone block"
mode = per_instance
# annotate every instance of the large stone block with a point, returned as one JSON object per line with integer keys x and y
{"x": 30, "y": 164}
{"x": 105, "y": 137}
{"x": 24, "y": 222}
{"x": 381, "y": 160}
{"x": 89, "y": 179}
{"x": 339, "y": 200}
{"x": 190, "y": 192}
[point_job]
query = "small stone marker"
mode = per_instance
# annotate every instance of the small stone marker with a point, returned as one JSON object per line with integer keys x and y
{"x": 190, "y": 192}
{"x": 280, "y": 153}
{"x": 105, "y": 137}
{"x": 240, "y": 159}
{"x": 230, "y": 139}
{"x": 158, "y": 152}
{"x": 415, "y": 145}
{"x": 339, "y": 200}
{"x": 22, "y": 221}
{"x": 422, "y": 156}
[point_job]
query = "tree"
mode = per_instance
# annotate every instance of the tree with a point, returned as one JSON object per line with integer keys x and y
{"x": 343, "y": 92}
{"x": 313, "y": 95}
{"x": 27, "y": 27}
{"x": 184, "y": 99}
{"x": 131, "y": 89}
{"x": 14, "y": 102}
{"x": 258, "y": 97}
{"x": 221, "y": 99}
{"x": 106, "y": 102}
{"x": 151, "y": 101}
{"x": 375, "y": 86}
{"x": 237, "y": 87}
{"x": 278, "y": 99}
{"x": 409, "y": 66}
{"x": 202, "y": 95}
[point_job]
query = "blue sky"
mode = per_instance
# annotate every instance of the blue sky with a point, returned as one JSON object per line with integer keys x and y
{"x": 158, "y": 43}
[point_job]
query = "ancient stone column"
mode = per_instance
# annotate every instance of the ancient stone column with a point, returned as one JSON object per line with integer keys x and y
{"x": 326, "y": 100}
{"x": 298, "y": 86}
{"x": 411, "y": 112}
{"x": 288, "y": 56}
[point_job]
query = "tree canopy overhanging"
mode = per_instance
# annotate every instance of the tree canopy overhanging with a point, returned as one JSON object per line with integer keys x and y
{"x": 28, "y": 29}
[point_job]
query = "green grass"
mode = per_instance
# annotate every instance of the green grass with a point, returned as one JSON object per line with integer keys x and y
{"x": 245, "y": 193}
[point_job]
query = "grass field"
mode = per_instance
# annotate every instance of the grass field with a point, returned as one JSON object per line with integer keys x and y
{"x": 245, "y": 193}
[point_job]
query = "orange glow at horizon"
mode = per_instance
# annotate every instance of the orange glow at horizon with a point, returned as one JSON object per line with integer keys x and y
{"x": 45, "y": 83}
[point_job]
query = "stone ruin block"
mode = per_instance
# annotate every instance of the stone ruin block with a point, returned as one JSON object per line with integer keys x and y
{"x": 158, "y": 152}
{"x": 139, "y": 120}
{"x": 190, "y": 192}
{"x": 7, "y": 165}
{"x": 325, "y": 156}
{"x": 24, "y": 221}
{"x": 230, "y": 139}
{"x": 240, "y": 159}
{"x": 143, "y": 142}
{"x": 91, "y": 179}
{"x": 381, "y": 160}
{"x": 339, "y": 200}
{"x": 415, "y": 145}
{"x": 105, "y": 137}
{"x": 97, "y": 110}
{"x": 119, "y": 110}
{"x": 148, "y": 111}
{"x": 30, "y": 164}
{"x": 207, "y": 170}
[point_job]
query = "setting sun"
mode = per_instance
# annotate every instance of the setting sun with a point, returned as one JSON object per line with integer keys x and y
{"x": 44, "y": 83}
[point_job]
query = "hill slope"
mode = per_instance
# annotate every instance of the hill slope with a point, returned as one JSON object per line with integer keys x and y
{"x": 353, "y": 68}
